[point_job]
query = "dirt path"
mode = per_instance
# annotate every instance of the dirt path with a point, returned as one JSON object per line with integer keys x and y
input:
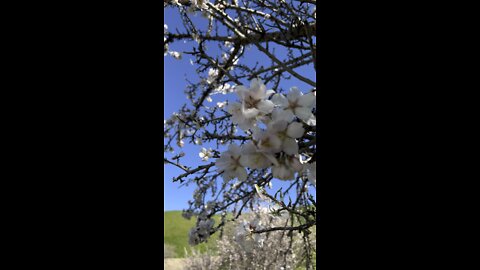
{"x": 173, "y": 264}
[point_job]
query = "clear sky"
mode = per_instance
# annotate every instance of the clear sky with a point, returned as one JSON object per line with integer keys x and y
{"x": 175, "y": 72}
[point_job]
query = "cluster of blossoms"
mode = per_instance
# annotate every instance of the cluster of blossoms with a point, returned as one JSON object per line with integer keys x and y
{"x": 194, "y": 4}
{"x": 217, "y": 88}
{"x": 205, "y": 154}
{"x": 275, "y": 123}
{"x": 240, "y": 249}
{"x": 166, "y": 51}
{"x": 204, "y": 227}
{"x": 243, "y": 233}
{"x": 276, "y": 130}
{"x": 201, "y": 232}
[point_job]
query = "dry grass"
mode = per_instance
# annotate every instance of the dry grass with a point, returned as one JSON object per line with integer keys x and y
{"x": 169, "y": 251}
{"x": 174, "y": 264}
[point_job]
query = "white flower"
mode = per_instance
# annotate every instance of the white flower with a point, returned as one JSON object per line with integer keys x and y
{"x": 297, "y": 104}
{"x": 212, "y": 75}
{"x": 245, "y": 237}
{"x": 253, "y": 99}
{"x": 221, "y": 104}
{"x": 205, "y": 154}
{"x": 286, "y": 168}
{"x": 267, "y": 142}
{"x": 229, "y": 164}
{"x": 238, "y": 117}
{"x": 254, "y": 104}
{"x": 176, "y": 55}
{"x": 287, "y": 133}
{"x": 253, "y": 158}
{"x": 223, "y": 89}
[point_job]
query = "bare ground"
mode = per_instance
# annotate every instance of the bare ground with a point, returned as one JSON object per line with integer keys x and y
{"x": 173, "y": 264}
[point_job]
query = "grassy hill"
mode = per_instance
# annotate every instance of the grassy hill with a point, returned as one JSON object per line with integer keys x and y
{"x": 175, "y": 233}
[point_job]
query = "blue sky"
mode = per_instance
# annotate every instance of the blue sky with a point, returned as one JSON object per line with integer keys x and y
{"x": 175, "y": 72}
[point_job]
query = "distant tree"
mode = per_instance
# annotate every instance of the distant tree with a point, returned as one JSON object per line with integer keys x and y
{"x": 239, "y": 250}
{"x": 270, "y": 132}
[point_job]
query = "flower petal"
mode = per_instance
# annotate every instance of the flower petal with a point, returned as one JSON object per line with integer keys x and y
{"x": 272, "y": 159}
{"x": 248, "y": 148}
{"x": 269, "y": 93}
{"x": 222, "y": 163}
{"x": 241, "y": 173}
{"x": 312, "y": 121}
{"x": 290, "y": 146}
{"x": 281, "y": 114}
{"x": 295, "y": 130}
{"x": 250, "y": 113}
{"x": 261, "y": 161}
{"x": 246, "y": 124}
{"x": 257, "y": 89}
{"x": 279, "y": 126}
{"x": 280, "y": 100}
{"x": 234, "y": 108}
{"x": 294, "y": 163}
{"x": 303, "y": 113}
{"x": 265, "y": 106}
{"x": 282, "y": 172}
{"x": 270, "y": 144}
{"x": 294, "y": 94}
{"x": 241, "y": 91}
{"x": 234, "y": 150}
{"x": 255, "y": 161}
{"x": 309, "y": 100}
{"x": 246, "y": 160}
{"x": 257, "y": 133}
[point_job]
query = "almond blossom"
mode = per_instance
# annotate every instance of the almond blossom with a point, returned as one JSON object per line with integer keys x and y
{"x": 254, "y": 104}
{"x": 238, "y": 117}
{"x": 286, "y": 167}
{"x": 269, "y": 137}
{"x": 176, "y": 55}
{"x": 229, "y": 164}
{"x": 297, "y": 104}
{"x": 205, "y": 154}
{"x": 266, "y": 141}
{"x": 255, "y": 159}
{"x": 221, "y": 104}
{"x": 287, "y": 133}
{"x": 212, "y": 75}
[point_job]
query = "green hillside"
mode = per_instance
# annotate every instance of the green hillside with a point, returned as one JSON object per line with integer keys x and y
{"x": 175, "y": 233}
